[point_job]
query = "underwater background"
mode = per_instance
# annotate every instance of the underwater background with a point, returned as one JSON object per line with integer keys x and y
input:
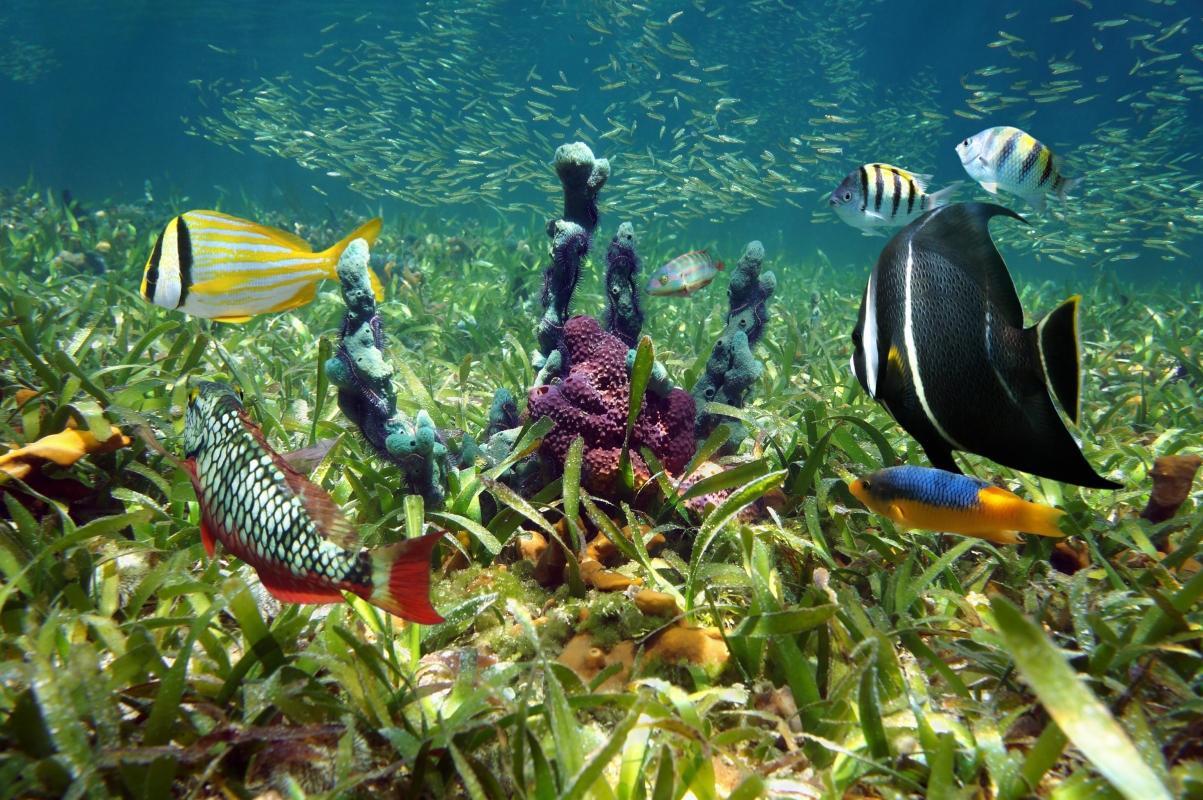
{"x": 728, "y": 120}
{"x": 680, "y": 551}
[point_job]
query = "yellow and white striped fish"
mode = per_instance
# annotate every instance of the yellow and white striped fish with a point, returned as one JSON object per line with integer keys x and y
{"x": 875, "y": 196}
{"x": 213, "y": 265}
{"x": 1008, "y": 159}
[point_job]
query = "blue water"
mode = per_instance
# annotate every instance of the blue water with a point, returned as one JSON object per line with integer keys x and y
{"x": 109, "y": 116}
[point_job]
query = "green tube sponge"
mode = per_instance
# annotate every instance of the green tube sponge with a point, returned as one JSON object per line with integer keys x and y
{"x": 732, "y": 369}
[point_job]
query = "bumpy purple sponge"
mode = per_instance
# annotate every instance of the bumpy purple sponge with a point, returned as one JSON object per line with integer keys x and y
{"x": 592, "y": 401}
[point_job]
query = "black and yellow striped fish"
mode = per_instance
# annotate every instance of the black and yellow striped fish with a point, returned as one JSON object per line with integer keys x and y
{"x": 1011, "y": 160}
{"x": 877, "y": 196}
{"x": 213, "y": 265}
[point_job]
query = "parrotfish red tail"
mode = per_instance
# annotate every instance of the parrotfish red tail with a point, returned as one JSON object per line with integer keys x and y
{"x": 401, "y": 579}
{"x": 367, "y": 231}
{"x": 1057, "y": 342}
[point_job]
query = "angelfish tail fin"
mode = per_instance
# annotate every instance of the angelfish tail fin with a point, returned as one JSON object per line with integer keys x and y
{"x": 1060, "y": 355}
{"x": 401, "y": 579}
{"x": 368, "y": 231}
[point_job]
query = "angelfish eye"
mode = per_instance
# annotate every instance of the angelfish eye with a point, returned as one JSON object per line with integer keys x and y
{"x": 847, "y": 195}
{"x": 965, "y": 143}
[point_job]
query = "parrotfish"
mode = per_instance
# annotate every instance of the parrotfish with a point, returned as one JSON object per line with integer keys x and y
{"x": 287, "y": 527}
{"x": 876, "y": 196}
{"x": 1006, "y": 158}
{"x": 932, "y": 499}
{"x": 684, "y": 275}
{"x": 210, "y": 264}
{"x": 940, "y": 342}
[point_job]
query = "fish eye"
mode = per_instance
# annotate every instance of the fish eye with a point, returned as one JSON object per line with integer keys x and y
{"x": 847, "y": 195}
{"x": 866, "y": 483}
{"x": 663, "y": 280}
{"x": 965, "y": 143}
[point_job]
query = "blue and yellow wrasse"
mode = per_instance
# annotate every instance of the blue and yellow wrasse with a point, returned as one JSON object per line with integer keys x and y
{"x": 284, "y": 525}
{"x": 684, "y": 275}
{"x": 210, "y": 264}
{"x": 932, "y": 499}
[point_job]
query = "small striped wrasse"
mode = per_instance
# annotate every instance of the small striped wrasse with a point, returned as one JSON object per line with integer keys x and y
{"x": 210, "y": 264}
{"x": 875, "y": 196}
{"x": 684, "y": 275}
{"x": 932, "y": 499}
{"x": 1008, "y": 159}
{"x": 285, "y": 526}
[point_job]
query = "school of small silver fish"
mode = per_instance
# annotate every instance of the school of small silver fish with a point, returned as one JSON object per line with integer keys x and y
{"x": 713, "y": 126}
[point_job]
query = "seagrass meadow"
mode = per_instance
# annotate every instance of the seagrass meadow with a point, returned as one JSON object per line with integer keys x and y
{"x": 777, "y": 641}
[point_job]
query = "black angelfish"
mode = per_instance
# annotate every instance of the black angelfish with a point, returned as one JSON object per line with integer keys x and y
{"x": 940, "y": 343}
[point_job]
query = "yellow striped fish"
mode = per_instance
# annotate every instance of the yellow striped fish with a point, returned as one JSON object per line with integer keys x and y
{"x": 213, "y": 265}
{"x": 1009, "y": 159}
{"x": 875, "y": 196}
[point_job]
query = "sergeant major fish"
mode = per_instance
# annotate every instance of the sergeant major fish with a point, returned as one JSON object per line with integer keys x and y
{"x": 940, "y": 343}
{"x": 210, "y": 264}
{"x": 1006, "y": 158}
{"x": 876, "y": 196}
{"x": 684, "y": 275}
{"x": 284, "y": 525}
{"x": 932, "y": 499}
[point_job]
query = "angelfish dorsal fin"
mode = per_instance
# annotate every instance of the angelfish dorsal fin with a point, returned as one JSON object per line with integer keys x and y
{"x": 960, "y": 234}
{"x": 325, "y": 513}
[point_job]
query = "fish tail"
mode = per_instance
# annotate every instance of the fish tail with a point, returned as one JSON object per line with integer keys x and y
{"x": 367, "y": 231}
{"x": 1064, "y": 186}
{"x": 1057, "y": 344}
{"x": 942, "y": 197}
{"x": 1041, "y": 520}
{"x": 401, "y": 579}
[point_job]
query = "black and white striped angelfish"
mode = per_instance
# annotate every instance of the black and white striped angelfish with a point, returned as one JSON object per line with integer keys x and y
{"x": 210, "y": 264}
{"x": 940, "y": 342}
{"x": 1008, "y": 159}
{"x": 876, "y": 196}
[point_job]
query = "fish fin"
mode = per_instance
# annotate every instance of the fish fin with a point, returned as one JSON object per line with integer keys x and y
{"x": 401, "y": 579}
{"x": 325, "y": 513}
{"x": 1067, "y": 186}
{"x": 237, "y": 319}
{"x": 898, "y": 515}
{"x": 367, "y": 231}
{"x": 289, "y": 588}
{"x": 940, "y": 456}
{"x": 998, "y": 537}
{"x": 873, "y": 214}
{"x": 942, "y": 197}
{"x": 1059, "y": 348}
{"x": 872, "y": 232}
{"x": 921, "y": 179}
{"x": 960, "y": 234}
{"x": 719, "y": 266}
{"x": 1038, "y": 202}
{"x": 990, "y": 186}
{"x": 207, "y": 539}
